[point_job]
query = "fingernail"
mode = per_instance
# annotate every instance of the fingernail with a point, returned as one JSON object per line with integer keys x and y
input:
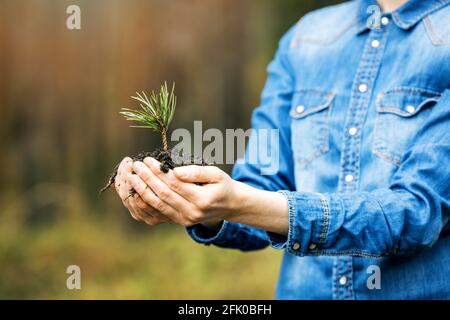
{"x": 151, "y": 162}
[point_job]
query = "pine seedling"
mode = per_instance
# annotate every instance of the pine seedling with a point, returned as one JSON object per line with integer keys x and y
{"x": 156, "y": 113}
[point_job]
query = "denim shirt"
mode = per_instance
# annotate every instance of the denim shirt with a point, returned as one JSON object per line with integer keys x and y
{"x": 364, "y": 128}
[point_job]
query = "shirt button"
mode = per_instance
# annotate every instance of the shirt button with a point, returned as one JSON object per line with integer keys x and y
{"x": 296, "y": 246}
{"x": 363, "y": 88}
{"x": 300, "y": 108}
{"x": 349, "y": 178}
{"x": 375, "y": 44}
{"x": 312, "y": 246}
{"x": 385, "y": 21}
{"x": 343, "y": 280}
{"x": 352, "y": 131}
{"x": 410, "y": 109}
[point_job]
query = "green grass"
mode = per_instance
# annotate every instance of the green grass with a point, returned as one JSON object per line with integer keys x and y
{"x": 118, "y": 263}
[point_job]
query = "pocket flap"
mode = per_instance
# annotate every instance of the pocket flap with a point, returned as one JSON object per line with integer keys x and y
{"x": 306, "y": 102}
{"x": 406, "y": 102}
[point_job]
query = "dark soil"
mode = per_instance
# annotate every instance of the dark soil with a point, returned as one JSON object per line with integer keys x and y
{"x": 162, "y": 156}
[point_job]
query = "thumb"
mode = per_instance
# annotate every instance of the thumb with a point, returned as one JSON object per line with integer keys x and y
{"x": 198, "y": 174}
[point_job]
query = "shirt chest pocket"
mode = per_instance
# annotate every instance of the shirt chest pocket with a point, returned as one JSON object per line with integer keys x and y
{"x": 401, "y": 112}
{"x": 310, "y": 112}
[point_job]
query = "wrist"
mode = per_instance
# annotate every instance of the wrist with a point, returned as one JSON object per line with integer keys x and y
{"x": 243, "y": 196}
{"x": 261, "y": 209}
{"x": 246, "y": 206}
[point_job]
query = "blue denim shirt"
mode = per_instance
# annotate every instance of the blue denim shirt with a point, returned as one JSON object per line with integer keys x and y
{"x": 364, "y": 120}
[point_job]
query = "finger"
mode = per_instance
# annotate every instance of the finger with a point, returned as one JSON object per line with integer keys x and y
{"x": 199, "y": 174}
{"x": 142, "y": 205}
{"x": 150, "y": 198}
{"x": 137, "y": 211}
{"x": 148, "y": 210}
{"x": 124, "y": 166}
{"x": 124, "y": 169}
{"x": 153, "y": 221}
{"x": 122, "y": 195}
{"x": 125, "y": 189}
{"x": 160, "y": 188}
{"x": 188, "y": 191}
{"x": 134, "y": 210}
{"x": 122, "y": 188}
{"x": 140, "y": 214}
{"x": 149, "y": 215}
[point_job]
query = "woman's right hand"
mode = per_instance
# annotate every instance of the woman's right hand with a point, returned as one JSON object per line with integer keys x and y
{"x": 139, "y": 210}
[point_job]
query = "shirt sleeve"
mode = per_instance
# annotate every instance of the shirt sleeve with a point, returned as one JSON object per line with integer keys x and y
{"x": 268, "y": 120}
{"x": 408, "y": 216}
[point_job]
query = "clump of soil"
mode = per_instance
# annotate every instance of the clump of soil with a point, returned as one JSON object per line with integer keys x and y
{"x": 164, "y": 157}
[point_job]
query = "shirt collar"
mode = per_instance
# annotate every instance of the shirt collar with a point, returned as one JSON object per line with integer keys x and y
{"x": 405, "y": 17}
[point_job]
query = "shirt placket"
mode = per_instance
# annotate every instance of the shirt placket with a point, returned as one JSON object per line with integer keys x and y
{"x": 362, "y": 91}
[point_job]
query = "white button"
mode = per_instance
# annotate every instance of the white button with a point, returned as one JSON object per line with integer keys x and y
{"x": 363, "y": 88}
{"x": 312, "y": 246}
{"x": 375, "y": 44}
{"x": 300, "y": 108}
{"x": 385, "y": 21}
{"x": 296, "y": 246}
{"x": 352, "y": 131}
{"x": 349, "y": 178}
{"x": 410, "y": 109}
{"x": 343, "y": 280}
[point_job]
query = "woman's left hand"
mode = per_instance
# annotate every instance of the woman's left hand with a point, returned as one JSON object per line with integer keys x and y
{"x": 187, "y": 195}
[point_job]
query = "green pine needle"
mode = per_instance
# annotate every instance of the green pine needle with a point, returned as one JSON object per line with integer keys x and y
{"x": 156, "y": 113}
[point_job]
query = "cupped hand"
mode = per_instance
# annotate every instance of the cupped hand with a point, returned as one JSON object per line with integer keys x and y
{"x": 138, "y": 208}
{"x": 186, "y": 195}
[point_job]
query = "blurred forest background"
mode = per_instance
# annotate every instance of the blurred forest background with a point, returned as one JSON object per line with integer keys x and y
{"x": 61, "y": 135}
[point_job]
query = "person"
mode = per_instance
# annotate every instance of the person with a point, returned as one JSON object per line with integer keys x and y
{"x": 361, "y": 201}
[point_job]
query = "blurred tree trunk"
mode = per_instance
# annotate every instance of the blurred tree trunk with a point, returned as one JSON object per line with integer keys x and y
{"x": 234, "y": 41}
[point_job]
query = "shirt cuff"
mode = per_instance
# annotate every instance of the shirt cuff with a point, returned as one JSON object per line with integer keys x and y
{"x": 207, "y": 236}
{"x": 309, "y": 216}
